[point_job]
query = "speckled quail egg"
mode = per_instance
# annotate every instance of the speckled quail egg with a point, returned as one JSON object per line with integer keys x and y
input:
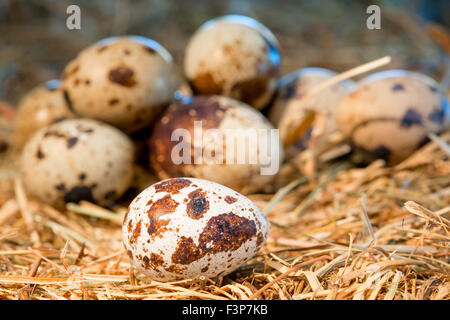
{"x": 42, "y": 106}
{"x": 184, "y": 228}
{"x": 292, "y": 103}
{"x": 77, "y": 159}
{"x": 124, "y": 81}
{"x": 234, "y": 56}
{"x": 218, "y": 139}
{"x": 390, "y": 114}
{"x": 294, "y": 87}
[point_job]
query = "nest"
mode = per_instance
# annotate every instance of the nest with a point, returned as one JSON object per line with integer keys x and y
{"x": 339, "y": 232}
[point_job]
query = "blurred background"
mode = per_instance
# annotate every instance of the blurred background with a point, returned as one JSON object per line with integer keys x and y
{"x": 35, "y": 44}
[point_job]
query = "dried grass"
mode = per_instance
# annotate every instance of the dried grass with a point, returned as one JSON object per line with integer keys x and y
{"x": 342, "y": 233}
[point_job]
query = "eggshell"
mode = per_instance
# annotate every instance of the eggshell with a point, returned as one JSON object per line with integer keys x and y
{"x": 42, "y": 106}
{"x": 184, "y": 228}
{"x": 227, "y": 116}
{"x": 77, "y": 159}
{"x": 124, "y": 81}
{"x": 292, "y": 104}
{"x": 390, "y": 114}
{"x": 234, "y": 56}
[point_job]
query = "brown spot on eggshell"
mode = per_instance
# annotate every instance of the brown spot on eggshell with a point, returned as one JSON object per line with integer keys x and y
{"x": 160, "y": 207}
{"x": 259, "y": 239}
{"x": 71, "y": 142}
{"x": 172, "y": 185}
{"x": 79, "y": 193}
{"x": 174, "y": 269}
{"x": 204, "y": 83}
{"x": 398, "y": 87}
{"x": 113, "y": 102}
{"x": 180, "y": 115}
{"x": 154, "y": 261}
{"x": 222, "y": 233}
{"x": 123, "y": 76}
{"x": 411, "y": 117}
{"x": 109, "y": 195}
{"x": 197, "y": 205}
{"x": 230, "y": 200}
{"x": 39, "y": 154}
{"x": 60, "y": 187}
{"x": 136, "y": 233}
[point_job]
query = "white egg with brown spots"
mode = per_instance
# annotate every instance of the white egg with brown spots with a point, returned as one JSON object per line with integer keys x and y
{"x": 293, "y": 104}
{"x": 390, "y": 114}
{"x": 217, "y": 134}
{"x": 41, "y": 107}
{"x": 184, "y": 228}
{"x": 234, "y": 56}
{"x": 124, "y": 81}
{"x": 77, "y": 159}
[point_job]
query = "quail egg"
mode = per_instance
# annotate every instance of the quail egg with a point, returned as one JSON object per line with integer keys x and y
{"x": 124, "y": 81}
{"x": 42, "y": 106}
{"x": 183, "y": 228}
{"x": 216, "y": 138}
{"x": 234, "y": 56}
{"x": 77, "y": 159}
{"x": 292, "y": 104}
{"x": 390, "y": 114}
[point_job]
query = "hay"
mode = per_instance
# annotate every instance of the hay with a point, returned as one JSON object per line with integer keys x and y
{"x": 342, "y": 233}
{"x": 337, "y": 232}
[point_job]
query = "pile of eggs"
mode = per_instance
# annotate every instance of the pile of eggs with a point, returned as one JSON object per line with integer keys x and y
{"x": 76, "y": 136}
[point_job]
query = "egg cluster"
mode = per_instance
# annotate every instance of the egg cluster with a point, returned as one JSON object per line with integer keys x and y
{"x": 78, "y": 135}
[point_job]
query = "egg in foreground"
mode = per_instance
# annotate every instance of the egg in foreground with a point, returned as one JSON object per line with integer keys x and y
{"x": 183, "y": 228}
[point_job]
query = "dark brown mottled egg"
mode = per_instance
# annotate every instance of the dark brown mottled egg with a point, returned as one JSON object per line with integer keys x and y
{"x": 124, "y": 81}
{"x": 220, "y": 149}
{"x": 184, "y": 228}
{"x": 234, "y": 56}
{"x": 390, "y": 114}
{"x": 77, "y": 159}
